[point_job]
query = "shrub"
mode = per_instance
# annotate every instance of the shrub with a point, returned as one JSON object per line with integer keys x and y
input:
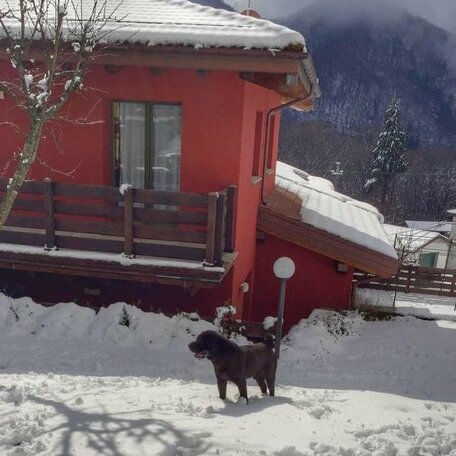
{"x": 225, "y": 322}
{"x": 14, "y": 311}
{"x": 125, "y": 318}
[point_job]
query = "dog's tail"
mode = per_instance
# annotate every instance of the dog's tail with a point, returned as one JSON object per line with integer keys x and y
{"x": 269, "y": 341}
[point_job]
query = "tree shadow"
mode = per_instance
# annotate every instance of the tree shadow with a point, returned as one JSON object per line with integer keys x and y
{"x": 105, "y": 433}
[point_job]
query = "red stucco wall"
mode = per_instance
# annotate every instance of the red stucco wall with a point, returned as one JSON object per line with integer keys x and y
{"x": 218, "y": 127}
{"x": 316, "y": 283}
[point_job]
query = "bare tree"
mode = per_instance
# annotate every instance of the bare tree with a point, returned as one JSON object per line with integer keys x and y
{"x": 50, "y": 44}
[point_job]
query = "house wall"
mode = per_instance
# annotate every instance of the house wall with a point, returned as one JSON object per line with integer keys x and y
{"x": 249, "y": 189}
{"x": 452, "y": 259}
{"x": 315, "y": 284}
{"x": 218, "y": 129}
{"x": 440, "y": 247}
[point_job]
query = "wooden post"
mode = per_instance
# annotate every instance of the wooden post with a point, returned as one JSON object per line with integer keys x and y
{"x": 453, "y": 284}
{"x": 230, "y": 218}
{"x": 49, "y": 242}
{"x": 211, "y": 227}
{"x": 128, "y": 222}
{"x": 409, "y": 278}
{"x": 219, "y": 229}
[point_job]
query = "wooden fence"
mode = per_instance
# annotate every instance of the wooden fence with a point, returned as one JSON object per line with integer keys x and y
{"x": 176, "y": 225}
{"x": 413, "y": 279}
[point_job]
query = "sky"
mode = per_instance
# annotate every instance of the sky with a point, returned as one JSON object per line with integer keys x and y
{"x": 438, "y": 12}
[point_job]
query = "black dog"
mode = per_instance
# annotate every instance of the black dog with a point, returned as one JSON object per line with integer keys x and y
{"x": 236, "y": 363}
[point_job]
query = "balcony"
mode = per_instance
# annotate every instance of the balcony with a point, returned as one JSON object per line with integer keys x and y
{"x": 141, "y": 235}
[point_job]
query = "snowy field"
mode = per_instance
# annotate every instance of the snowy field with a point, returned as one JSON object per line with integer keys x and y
{"x": 75, "y": 382}
{"x": 420, "y": 305}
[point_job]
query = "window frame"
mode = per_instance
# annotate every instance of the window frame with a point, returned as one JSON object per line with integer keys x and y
{"x": 258, "y": 145}
{"x": 149, "y": 148}
{"x": 271, "y": 143}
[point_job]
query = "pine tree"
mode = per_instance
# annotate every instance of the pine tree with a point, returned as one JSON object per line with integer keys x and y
{"x": 388, "y": 156}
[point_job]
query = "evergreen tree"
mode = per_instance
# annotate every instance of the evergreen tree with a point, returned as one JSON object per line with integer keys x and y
{"x": 388, "y": 157}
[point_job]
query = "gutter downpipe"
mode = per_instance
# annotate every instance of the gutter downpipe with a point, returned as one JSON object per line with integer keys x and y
{"x": 268, "y": 132}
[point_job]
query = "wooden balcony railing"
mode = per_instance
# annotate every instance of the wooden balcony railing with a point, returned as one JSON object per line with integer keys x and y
{"x": 186, "y": 226}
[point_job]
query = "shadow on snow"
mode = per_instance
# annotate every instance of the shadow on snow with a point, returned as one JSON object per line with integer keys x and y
{"x": 105, "y": 433}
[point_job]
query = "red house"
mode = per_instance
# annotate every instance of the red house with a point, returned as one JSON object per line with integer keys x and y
{"x": 168, "y": 197}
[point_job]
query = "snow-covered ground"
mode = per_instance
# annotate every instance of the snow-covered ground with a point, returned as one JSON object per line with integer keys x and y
{"x": 420, "y": 305}
{"x": 76, "y": 382}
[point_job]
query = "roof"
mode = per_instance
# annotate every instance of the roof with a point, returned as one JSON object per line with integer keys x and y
{"x": 183, "y": 29}
{"x": 435, "y": 225}
{"x": 329, "y": 222}
{"x": 180, "y": 22}
{"x": 324, "y": 208}
{"x": 410, "y": 239}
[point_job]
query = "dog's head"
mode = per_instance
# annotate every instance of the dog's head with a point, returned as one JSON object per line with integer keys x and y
{"x": 207, "y": 345}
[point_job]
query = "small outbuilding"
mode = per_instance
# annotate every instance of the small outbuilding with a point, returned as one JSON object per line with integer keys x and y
{"x": 327, "y": 234}
{"x": 429, "y": 249}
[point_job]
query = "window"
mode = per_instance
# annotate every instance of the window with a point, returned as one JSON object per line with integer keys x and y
{"x": 256, "y": 167}
{"x": 428, "y": 259}
{"x": 147, "y": 145}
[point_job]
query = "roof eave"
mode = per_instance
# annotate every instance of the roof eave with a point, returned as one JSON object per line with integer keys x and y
{"x": 231, "y": 59}
{"x": 325, "y": 243}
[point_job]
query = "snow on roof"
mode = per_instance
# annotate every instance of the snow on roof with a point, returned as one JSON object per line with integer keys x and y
{"x": 440, "y": 227}
{"x": 408, "y": 238}
{"x": 338, "y": 214}
{"x": 180, "y": 22}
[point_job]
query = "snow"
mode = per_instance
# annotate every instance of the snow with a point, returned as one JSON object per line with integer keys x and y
{"x": 179, "y": 22}
{"x": 409, "y": 239}
{"x": 28, "y": 79}
{"x": 443, "y": 227}
{"x": 269, "y": 322}
{"x": 420, "y": 305}
{"x": 76, "y": 382}
{"x": 124, "y": 188}
{"x": 338, "y": 214}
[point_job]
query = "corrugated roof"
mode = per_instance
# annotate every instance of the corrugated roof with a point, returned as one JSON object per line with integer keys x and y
{"x": 410, "y": 239}
{"x": 328, "y": 210}
{"x": 180, "y": 22}
{"x": 437, "y": 226}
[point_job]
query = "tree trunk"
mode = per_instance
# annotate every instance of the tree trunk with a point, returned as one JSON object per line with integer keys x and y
{"x": 26, "y": 159}
{"x": 383, "y": 196}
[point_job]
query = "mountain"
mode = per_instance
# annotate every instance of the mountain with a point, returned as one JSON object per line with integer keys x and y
{"x": 365, "y": 53}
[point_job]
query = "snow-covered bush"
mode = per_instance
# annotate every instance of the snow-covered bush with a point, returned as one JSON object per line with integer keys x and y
{"x": 269, "y": 323}
{"x": 225, "y": 322}
{"x": 125, "y": 319}
{"x": 336, "y": 324}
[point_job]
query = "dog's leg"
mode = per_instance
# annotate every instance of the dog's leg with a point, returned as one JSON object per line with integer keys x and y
{"x": 221, "y": 384}
{"x": 242, "y": 386}
{"x": 270, "y": 378}
{"x": 271, "y": 386}
{"x": 261, "y": 384}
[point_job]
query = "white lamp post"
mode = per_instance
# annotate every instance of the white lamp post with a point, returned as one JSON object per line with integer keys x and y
{"x": 283, "y": 268}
